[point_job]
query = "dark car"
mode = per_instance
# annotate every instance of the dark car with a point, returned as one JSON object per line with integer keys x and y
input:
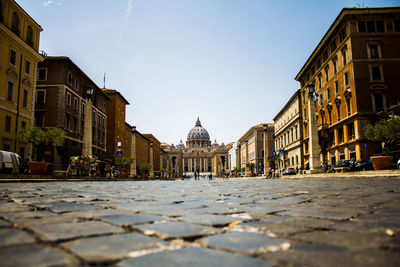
{"x": 364, "y": 165}
{"x": 343, "y": 164}
{"x": 289, "y": 171}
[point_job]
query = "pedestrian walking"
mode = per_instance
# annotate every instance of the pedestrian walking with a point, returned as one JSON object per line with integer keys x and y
{"x": 269, "y": 172}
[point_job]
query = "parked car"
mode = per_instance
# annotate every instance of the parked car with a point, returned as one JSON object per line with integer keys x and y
{"x": 289, "y": 171}
{"x": 347, "y": 164}
{"x": 9, "y": 162}
{"x": 364, "y": 165}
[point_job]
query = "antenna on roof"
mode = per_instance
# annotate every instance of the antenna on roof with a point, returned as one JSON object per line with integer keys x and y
{"x": 104, "y": 81}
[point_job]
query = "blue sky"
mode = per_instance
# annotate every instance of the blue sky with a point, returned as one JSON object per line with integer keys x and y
{"x": 230, "y": 62}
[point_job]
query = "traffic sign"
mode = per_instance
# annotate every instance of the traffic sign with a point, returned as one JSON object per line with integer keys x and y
{"x": 119, "y": 153}
{"x": 365, "y": 145}
{"x": 273, "y": 153}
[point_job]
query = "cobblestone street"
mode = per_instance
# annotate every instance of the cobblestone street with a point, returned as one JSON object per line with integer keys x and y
{"x": 310, "y": 222}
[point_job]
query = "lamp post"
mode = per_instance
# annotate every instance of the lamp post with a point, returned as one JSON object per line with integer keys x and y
{"x": 133, "y": 172}
{"x": 88, "y": 120}
{"x": 247, "y": 153}
{"x": 314, "y": 158}
{"x": 151, "y": 160}
{"x": 266, "y": 150}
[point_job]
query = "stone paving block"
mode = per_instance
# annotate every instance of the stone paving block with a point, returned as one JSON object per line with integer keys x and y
{"x": 209, "y": 219}
{"x": 350, "y": 240}
{"x": 131, "y": 219}
{"x": 35, "y": 255}
{"x": 61, "y": 207}
{"x": 28, "y": 214}
{"x": 245, "y": 242}
{"x": 4, "y": 224}
{"x": 56, "y": 218}
{"x": 194, "y": 257}
{"x": 176, "y": 230}
{"x": 12, "y": 207}
{"x": 366, "y": 226}
{"x": 64, "y": 231}
{"x": 112, "y": 247}
{"x": 392, "y": 244}
{"x": 324, "y": 214}
{"x": 12, "y": 236}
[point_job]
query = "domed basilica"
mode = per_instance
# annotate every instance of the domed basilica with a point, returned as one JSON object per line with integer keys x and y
{"x": 199, "y": 155}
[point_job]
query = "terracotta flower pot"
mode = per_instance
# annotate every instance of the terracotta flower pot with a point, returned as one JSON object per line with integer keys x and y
{"x": 37, "y": 167}
{"x": 381, "y": 162}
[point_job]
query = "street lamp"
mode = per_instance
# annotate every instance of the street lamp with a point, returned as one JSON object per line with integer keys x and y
{"x": 87, "y": 132}
{"x": 314, "y": 157}
{"x": 266, "y": 152}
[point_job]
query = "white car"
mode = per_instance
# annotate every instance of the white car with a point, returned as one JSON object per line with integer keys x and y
{"x": 9, "y": 162}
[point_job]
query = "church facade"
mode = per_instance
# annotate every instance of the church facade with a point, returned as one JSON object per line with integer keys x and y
{"x": 199, "y": 155}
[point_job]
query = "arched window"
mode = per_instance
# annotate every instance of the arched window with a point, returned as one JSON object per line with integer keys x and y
{"x": 15, "y": 24}
{"x": 29, "y": 36}
{"x": 1, "y": 11}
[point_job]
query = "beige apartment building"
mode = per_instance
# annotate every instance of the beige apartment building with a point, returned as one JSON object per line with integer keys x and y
{"x": 354, "y": 70}
{"x": 253, "y": 145}
{"x": 288, "y": 134}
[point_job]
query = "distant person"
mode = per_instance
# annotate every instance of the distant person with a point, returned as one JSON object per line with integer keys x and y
{"x": 269, "y": 172}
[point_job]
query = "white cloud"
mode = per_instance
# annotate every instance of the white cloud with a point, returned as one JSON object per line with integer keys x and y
{"x": 45, "y": 4}
{"x": 49, "y": 2}
{"x": 128, "y": 13}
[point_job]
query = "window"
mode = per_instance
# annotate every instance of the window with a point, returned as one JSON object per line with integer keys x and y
{"x": 27, "y": 67}
{"x": 338, "y": 111}
{"x": 334, "y": 65}
{"x": 67, "y": 119}
{"x": 42, "y": 74}
{"x": 40, "y": 96}
{"x": 340, "y": 135}
{"x": 328, "y": 91}
{"x": 348, "y": 106}
{"x": 68, "y": 99}
{"x": 13, "y": 57}
{"x": 10, "y": 91}
{"x": 336, "y": 87}
{"x": 39, "y": 118}
{"x": 344, "y": 55}
{"x": 378, "y": 102}
{"x": 341, "y": 154}
{"x": 352, "y": 153}
{"x": 29, "y": 36}
{"x": 350, "y": 131}
{"x": 327, "y": 74}
{"x": 8, "y": 124}
{"x": 76, "y": 84}
{"x": 25, "y": 99}
{"x": 320, "y": 81}
{"x": 23, "y": 124}
{"x": 75, "y": 103}
{"x": 346, "y": 79}
{"x": 373, "y": 51}
{"x": 371, "y": 26}
{"x": 83, "y": 108}
{"x": 397, "y": 25}
{"x": 15, "y": 23}
{"x": 342, "y": 34}
{"x": 69, "y": 78}
{"x": 330, "y": 116}
{"x": 75, "y": 124}
{"x": 333, "y": 157}
{"x": 376, "y": 73}
{"x": 333, "y": 45}
{"x": 331, "y": 138}
{"x": 380, "y": 27}
{"x": 318, "y": 64}
{"x": 361, "y": 26}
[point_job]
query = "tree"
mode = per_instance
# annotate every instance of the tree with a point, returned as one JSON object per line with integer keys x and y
{"x": 236, "y": 169}
{"x": 39, "y": 137}
{"x": 251, "y": 166}
{"x": 145, "y": 168}
{"x": 386, "y": 131}
{"x": 123, "y": 162}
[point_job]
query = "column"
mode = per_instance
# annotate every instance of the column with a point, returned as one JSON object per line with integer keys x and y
{"x": 266, "y": 150}
{"x": 315, "y": 160}
{"x": 151, "y": 174}
{"x": 88, "y": 127}
{"x": 133, "y": 153}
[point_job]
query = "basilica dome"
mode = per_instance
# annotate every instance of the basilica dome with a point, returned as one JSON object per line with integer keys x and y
{"x": 198, "y": 136}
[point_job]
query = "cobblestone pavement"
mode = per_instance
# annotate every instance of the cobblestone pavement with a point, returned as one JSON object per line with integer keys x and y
{"x": 311, "y": 222}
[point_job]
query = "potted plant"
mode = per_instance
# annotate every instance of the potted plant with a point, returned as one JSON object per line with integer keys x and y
{"x": 123, "y": 162}
{"x": 236, "y": 171}
{"x": 145, "y": 169}
{"x": 40, "y": 138}
{"x": 251, "y": 166}
{"x": 386, "y": 131}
